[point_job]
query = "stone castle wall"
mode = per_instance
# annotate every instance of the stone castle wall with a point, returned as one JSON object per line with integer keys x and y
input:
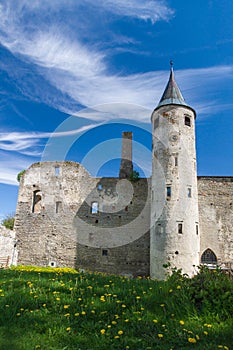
{"x": 215, "y": 196}
{"x": 8, "y": 245}
{"x": 67, "y": 218}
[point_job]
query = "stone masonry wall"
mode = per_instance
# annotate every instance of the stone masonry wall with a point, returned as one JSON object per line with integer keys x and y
{"x": 65, "y": 217}
{"x": 216, "y": 216}
{"x": 8, "y": 245}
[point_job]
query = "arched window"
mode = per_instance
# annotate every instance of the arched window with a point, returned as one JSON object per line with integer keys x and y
{"x": 208, "y": 257}
{"x": 94, "y": 207}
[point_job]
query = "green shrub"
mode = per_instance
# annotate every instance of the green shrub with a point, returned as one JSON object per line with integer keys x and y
{"x": 9, "y": 221}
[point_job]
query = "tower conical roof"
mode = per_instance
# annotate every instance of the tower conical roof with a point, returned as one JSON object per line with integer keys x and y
{"x": 172, "y": 94}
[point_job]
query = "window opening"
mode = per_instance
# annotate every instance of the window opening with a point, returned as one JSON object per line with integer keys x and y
{"x": 197, "y": 229}
{"x": 187, "y": 121}
{"x": 58, "y": 207}
{"x": 208, "y": 257}
{"x": 180, "y": 228}
{"x": 169, "y": 191}
{"x": 36, "y": 204}
{"x": 189, "y": 192}
{"x": 57, "y": 170}
{"x": 94, "y": 207}
{"x": 176, "y": 161}
{"x": 104, "y": 252}
{"x": 99, "y": 187}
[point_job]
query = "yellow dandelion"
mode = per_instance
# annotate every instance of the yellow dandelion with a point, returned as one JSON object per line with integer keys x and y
{"x": 83, "y": 312}
{"x": 138, "y": 297}
{"x": 114, "y": 322}
{"x": 76, "y": 314}
{"x": 66, "y": 306}
{"x": 102, "y": 331}
{"x": 127, "y": 320}
{"x": 181, "y": 322}
{"x": 120, "y": 332}
{"x": 162, "y": 305}
{"x": 170, "y": 290}
{"x": 18, "y": 314}
{"x": 192, "y": 340}
{"x": 178, "y": 287}
{"x": 68, "y": 329}
{"x": 109, "y": 326}
{"x": 44, "y": 305}
{"x": 67, "y": 315}
{"x": 205, "y": 332}
{"x": 160, "y": 335}
{"x": 197, "y": 337}
{"x": 123, "y": 305}
{"x": 155, "y": 321}
{"x": 116, "y": 337}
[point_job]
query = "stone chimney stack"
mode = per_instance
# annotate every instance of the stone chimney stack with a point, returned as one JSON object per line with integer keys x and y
{"x": 126, "y": 166}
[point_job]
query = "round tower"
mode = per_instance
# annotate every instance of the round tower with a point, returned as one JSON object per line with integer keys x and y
{"x": 175, "y": 237}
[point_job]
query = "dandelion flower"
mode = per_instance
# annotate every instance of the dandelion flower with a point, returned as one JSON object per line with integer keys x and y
{"x": 160, "y": 335}
{"x": 68, "y": 329}
{"x": 192, "y": 340}
{"x": 181, "y": 322}
{"x": 66, "y": 306}
{"x": 155, "y": 321}
{"x": 102, "y": 331}
{"x": 120, "y": 332}
{"x": 205, "y": 332}
{"x": 116, "y": 337}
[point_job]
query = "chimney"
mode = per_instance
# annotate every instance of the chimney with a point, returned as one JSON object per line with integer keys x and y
{"x": 126, "y": 166}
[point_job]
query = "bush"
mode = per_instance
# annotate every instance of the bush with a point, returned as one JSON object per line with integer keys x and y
{"x": 9, "y": 221}
{"x": 20, "y": 174}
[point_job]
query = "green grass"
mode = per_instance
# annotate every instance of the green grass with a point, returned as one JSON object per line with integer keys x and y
{"x": 64, "y": 309}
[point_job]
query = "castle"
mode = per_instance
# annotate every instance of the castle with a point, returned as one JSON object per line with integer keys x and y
{"x": 125, "y": 225}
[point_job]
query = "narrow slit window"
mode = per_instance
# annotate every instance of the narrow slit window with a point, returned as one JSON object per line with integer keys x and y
{"x": 189, "y": 192}
{"x": 169, "y": 191}
{"x": 187, "y": 121}
{"x": 197, "y": 231}
{"x": 94, "y": 208}
{"x": 58, "y": 207}
{"x": 57, "y": 170}
{"x": 176, "y": 161}
{"x": 180, "y": 228}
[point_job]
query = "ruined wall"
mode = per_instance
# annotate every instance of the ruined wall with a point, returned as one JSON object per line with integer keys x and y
{"x": 215, "y": 196}
{"x": 8, "y": 245}
{"x": 65, "y": 217}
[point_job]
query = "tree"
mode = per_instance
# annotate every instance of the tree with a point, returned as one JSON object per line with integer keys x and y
{"x": 9, "y": 221}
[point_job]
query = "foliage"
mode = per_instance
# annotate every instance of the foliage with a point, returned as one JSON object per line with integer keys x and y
{"x": 9, "y": 221}
{"x": 134, "y": 176}
{"x": 20, "y": 174}
{"x": 51, "y": 308}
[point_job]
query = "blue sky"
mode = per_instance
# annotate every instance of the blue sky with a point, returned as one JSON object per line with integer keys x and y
{"x": 75, "y": 74}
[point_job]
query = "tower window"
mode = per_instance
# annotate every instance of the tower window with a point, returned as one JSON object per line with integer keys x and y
{"x": 57, "y": 170}
{"x": 58, "y": 207}
{"x": 99, "y": 187}
{"x": 189, "y": 192}
{"x": 180, "y": 228}
{"x": 169, "y": 192}
{"x": 94, "y": 207}
{"x": 176, "y": 161}
{"x": 187, "y": 120}
{"x": 197, "y": 229}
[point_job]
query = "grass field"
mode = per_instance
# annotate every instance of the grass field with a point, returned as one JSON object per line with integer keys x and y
{"x": 65, "y": 309}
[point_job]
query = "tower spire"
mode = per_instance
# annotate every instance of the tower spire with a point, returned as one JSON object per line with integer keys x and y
{"x": 172, "y": 94}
